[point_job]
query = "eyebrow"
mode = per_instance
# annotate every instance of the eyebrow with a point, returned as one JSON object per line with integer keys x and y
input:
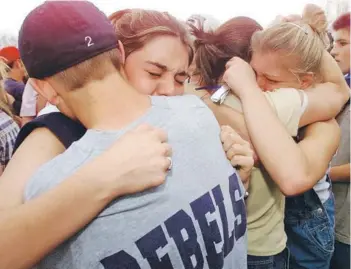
{"x": 161, "y": 66}
{"x": 270, "y": 76}
{"x": 341, "y": 39}
{"x": 262, "y": 73}
{"x": 165, "y": 68}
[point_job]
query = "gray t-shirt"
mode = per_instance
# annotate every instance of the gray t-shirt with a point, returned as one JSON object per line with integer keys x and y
{"x": 342, "y": 189}
{"x": 196, "y": 219}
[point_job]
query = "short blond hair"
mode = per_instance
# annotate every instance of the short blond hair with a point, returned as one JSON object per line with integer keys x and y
{"x": 90, "y": 70}
{"x": 305, "y": 39}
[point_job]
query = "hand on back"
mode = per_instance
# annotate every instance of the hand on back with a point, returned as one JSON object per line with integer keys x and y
{"x": 139, "y": 160}
{"x": 238, "y": 152}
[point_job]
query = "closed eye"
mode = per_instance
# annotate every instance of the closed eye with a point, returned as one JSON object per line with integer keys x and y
{"x": 154, "y": 74}
{"x": 272, "y": 80}
{"x": 181, "y": 79}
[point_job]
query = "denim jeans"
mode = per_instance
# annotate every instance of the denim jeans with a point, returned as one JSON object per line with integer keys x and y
{"x": 341, "y": 256}
{"x": 309, "y": 225}
{"x": 279, "y": 261}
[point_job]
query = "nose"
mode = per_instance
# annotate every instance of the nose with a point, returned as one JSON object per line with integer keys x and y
{"x": 334, "y": 51}
{"x": 167, "y": 87}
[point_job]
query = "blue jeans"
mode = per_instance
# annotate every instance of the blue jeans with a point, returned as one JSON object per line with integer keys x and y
{"x": 341, "y": 256}
{"x": 279, "y": 261}
{"x": 309, "y": 225}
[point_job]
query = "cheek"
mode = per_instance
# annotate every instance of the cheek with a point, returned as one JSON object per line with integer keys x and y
{"x": 139, "y": 79}
{"x": 261, "y": 82}
{"x": 345, "y": 52}
{"x": 265, "y": 85}
{"x": 269, "y": 87}
{"x": 179, "y": 90}
{"x": 143, "y": 84}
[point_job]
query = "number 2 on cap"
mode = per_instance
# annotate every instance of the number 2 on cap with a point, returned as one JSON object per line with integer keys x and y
{"x": 88, "y": 39}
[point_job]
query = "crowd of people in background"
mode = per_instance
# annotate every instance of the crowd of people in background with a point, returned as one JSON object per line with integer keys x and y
{"x": 141, "y": 141}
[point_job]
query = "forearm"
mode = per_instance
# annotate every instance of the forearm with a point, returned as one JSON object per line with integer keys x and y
{"x": 340, "y": 173}
{"x": 32, "y": 230}
{"x": 26, "y": 119}
{"x": 320, "y": 110}
{"x": 332, "y": 74}
{"x": 277, "y": 151}
{"x": 226, "y": 115}
{"x": 334, "y": 89}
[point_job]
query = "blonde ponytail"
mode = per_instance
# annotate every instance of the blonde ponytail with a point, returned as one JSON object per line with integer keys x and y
{"x": 304, "y": 38}
{"x": 315, "y": 17}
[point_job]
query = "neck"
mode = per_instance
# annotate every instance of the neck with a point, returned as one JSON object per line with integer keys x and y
{"x": 108, "y": 104}
{"x": 15, "y": 76}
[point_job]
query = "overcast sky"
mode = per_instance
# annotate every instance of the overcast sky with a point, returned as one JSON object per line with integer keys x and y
{"x": 12, "y": 12}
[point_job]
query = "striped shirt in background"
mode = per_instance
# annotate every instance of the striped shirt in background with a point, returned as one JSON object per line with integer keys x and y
{"x": 8, "y": 134}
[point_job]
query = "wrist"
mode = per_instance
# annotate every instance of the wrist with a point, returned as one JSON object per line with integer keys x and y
{"x": 100, "y": 183}
{"x": 250, "y": 92}
{"x": 245, "y": 178}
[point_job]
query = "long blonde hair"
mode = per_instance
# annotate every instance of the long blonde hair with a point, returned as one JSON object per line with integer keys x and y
{"x": 5, "y": 105}
{"x": 305, "y": 39}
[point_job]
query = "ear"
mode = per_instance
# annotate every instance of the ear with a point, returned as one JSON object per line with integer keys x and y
{"x": 123, "y": 54}
{"x": 17, "y": 64}
{"x": 44, "y": 88}
{"x": 307, "y": 80}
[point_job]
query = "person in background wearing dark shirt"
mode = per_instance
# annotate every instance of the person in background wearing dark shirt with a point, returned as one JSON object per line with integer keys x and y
{"x": 14, "y": 84}
{"x": 340, "y": 171}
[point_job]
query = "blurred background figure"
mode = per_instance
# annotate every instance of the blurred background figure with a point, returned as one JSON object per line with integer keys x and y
{"x": 341, "y": 46}
{"x": 208, "y": 22}
{"x": 340, "y": 171}
{"x": 8, "y": 126}
{"x": 16, "y": 77}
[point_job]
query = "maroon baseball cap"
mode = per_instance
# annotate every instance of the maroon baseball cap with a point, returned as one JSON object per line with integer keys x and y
{"x": 60, "y": 34}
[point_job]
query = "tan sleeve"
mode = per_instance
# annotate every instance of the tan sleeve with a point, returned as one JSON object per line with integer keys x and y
{"x": 287, "y": 105}
{"x": 285, "y": 102}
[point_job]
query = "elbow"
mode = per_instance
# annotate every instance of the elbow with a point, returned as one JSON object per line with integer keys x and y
{"x": 336, "y": 106}
{"x": 343, "y": 95}
{"x": 290, "y": 190}
{"x": 295, "y": 185}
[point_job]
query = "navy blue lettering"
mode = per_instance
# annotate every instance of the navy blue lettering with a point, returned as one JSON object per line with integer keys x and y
{"x": 228, "y": 241}
{"x": 210, "y": 230}
{"x": 187, "y": 247}
{"x": 120, "y": 260}
{"x": 149, "y": 244}
{"x": 238, "y": 206}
